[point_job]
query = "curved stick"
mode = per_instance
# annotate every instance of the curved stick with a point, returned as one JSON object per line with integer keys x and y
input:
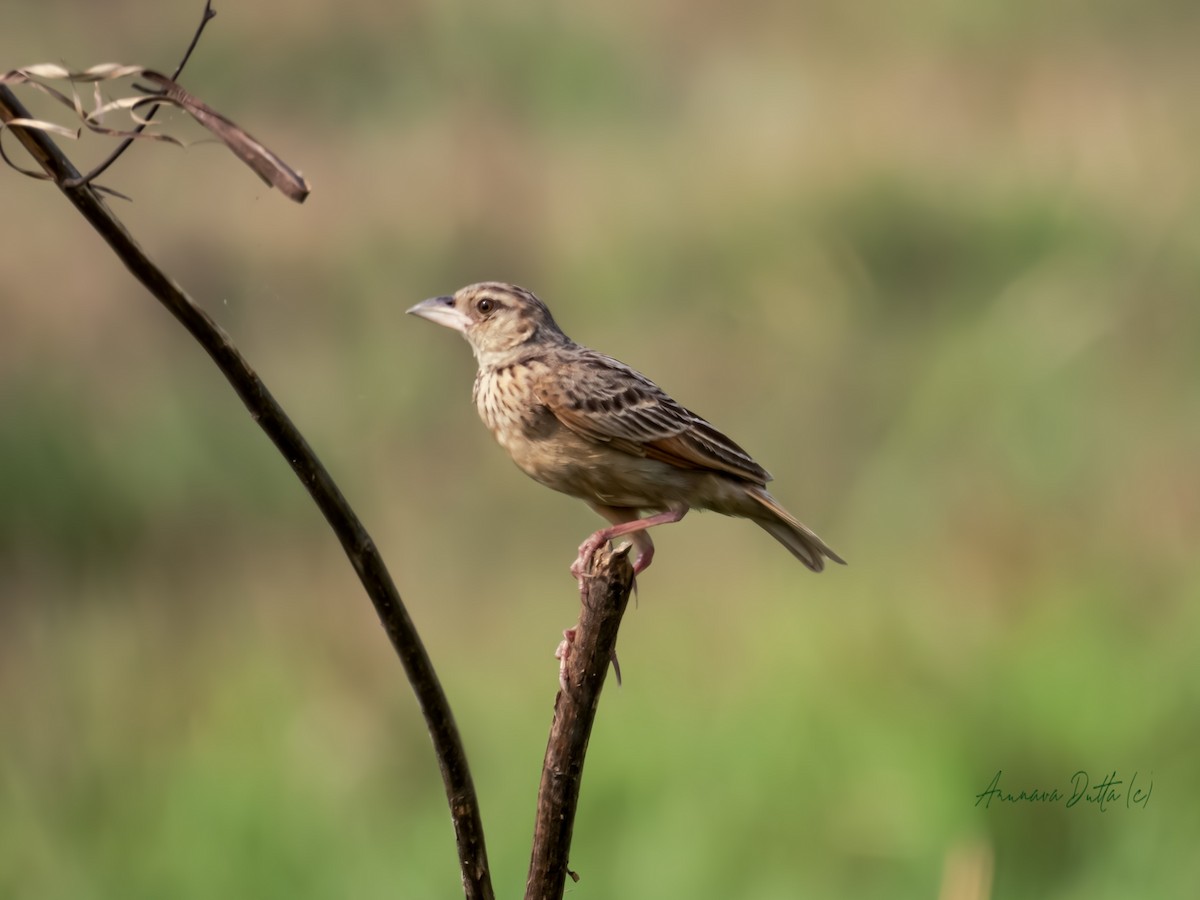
{"x": 452, "y": 759}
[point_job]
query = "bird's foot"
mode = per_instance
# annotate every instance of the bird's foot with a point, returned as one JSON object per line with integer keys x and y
{"x": 587, "y": 551}
{"x": 641, "y": 562}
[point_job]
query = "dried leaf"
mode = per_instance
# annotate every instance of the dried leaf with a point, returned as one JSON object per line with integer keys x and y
{"x": 269, "y": 167}
{"x": 40, "y": 125}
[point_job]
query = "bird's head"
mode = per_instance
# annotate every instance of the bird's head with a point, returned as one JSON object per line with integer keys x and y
{"x": 498, "y": 320}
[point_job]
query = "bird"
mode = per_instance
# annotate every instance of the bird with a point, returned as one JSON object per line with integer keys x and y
{"x": 591, "y": 427}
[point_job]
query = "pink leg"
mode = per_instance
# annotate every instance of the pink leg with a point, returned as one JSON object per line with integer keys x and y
{"x": 622, "y": 525}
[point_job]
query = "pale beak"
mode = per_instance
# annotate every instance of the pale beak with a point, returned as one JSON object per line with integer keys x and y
{"x": 442, "y": 311}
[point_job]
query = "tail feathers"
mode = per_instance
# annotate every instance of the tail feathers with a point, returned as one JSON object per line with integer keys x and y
{"x": 801, "y": 540}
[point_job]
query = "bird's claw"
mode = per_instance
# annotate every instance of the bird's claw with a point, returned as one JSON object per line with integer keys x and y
{"x": 587, "y": 551}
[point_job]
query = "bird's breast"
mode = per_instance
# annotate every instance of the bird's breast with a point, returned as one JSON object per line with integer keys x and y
{"x": 541, "y": 446}
{"x": 559, "y": 458}
{"x": 506, "y": 401}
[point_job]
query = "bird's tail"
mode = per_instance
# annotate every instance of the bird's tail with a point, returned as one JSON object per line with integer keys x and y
{"x": 801, "y": 540}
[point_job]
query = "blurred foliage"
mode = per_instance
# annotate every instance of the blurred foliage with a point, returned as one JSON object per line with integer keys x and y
{"x": 935, "y": 264}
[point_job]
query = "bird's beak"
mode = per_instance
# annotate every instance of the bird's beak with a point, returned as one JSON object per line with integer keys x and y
{"x": 442, "y": 311}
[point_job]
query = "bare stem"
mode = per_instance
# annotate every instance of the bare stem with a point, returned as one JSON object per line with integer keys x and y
{"x": 208, "y": 14}
{"x": 590, "y": 652}
{"x": 359, "y": 547}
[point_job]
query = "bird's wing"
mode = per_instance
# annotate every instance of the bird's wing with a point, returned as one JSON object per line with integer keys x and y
{"x": 604, "y": 400}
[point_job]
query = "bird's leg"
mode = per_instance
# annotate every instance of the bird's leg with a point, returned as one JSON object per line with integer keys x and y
{"x": 624, "y": 521}
{"x": 623, "y": 525}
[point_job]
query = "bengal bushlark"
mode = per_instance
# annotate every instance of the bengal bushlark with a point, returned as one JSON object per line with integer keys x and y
{"x": 589, "y": 426}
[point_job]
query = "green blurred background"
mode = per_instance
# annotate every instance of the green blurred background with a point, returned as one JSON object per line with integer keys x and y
{"x": 935, "y": 264}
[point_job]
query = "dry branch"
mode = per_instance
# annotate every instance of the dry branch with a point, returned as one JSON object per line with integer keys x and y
{"x": 584, "y": 669}
{"x": 269, "y": 167}
{"x": 205, "y": 17}
{"x": 263, "y": 408}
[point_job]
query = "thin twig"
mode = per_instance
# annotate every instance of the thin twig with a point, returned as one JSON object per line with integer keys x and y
{"x": 357, "y": 543}
{"x": 260, "y": 158}
{"x": 205, "y": 18}
{"x": 590, "y": 651}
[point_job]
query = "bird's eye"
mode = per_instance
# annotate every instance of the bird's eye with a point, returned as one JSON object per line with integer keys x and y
{"x": 486, "y": 305}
